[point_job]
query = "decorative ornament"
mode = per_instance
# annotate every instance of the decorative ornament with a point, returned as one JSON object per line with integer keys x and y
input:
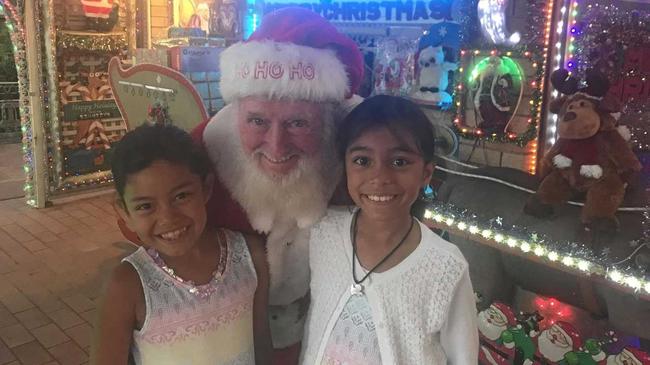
{"x": 492, "y": 15}
{"x": 101, "y": 15}
{"x": 433, "y": 77}
{"x": 590, "y": 155}
{"x": 112, "y": 42}
{"x": 576, "y": 259}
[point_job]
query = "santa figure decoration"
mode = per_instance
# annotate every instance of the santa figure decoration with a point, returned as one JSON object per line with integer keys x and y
{"x": 556, "y": 341}
{"x": 629, "y": 356}
{"x": 494, "y": 320}
{"x": 101, "y": 15}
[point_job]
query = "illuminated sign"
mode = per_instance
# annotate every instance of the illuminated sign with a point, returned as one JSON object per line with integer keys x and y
{"x": 492, "y": 16}
{"x": 414, "y": 12}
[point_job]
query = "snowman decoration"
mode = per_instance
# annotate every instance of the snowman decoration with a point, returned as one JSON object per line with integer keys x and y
{"x": 433, "y": 79}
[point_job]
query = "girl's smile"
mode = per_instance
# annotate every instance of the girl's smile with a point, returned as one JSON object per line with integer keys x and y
{"x": 385, "y": 173}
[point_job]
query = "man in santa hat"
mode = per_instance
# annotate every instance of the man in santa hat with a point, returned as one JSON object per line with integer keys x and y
{"x": 558, "y": 340}
{"x": 273, "y": 146}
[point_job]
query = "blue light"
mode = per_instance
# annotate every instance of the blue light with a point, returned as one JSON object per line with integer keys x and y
{"x": 251, "y": 20}
{"x": 570, "y": 64}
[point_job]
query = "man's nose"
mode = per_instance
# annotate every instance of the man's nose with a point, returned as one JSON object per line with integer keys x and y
{"x": 277, "y": 141}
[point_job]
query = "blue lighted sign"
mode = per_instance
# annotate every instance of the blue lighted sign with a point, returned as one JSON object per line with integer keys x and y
{"x": 409, "y": 11}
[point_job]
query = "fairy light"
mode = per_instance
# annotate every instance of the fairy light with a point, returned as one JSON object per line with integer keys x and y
{"x": 616, "y": 276}
{"x": 633, "y": 282}
{"x": 524, "y": 139}
{"x": 533, "y": 246}
{"x": 17, "y": 34}
{"x": 568, "y": 261}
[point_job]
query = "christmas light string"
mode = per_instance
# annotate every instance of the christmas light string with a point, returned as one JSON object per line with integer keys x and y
{"x": 600, "y": 38}
{"x": 16, "y": 29}
{"x": 540, "y": 12}
{"x": 56, "y": 41}
{"x": 536, "y": 248}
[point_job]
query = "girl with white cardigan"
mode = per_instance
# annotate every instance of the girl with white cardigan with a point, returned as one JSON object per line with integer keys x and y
{"x": 385, "y": 289}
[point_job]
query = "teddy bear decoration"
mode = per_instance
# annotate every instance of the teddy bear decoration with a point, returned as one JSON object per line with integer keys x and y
{"x": 590, "y": 156}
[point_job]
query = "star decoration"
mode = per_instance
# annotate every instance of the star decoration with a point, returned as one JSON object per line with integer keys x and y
{"x": 442, "y": 31}
{"x": 499, "y": 221}
{"x": 534, "y": 236}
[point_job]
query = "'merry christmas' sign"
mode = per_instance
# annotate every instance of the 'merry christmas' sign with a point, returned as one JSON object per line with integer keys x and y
{"x": 409, "y": 11}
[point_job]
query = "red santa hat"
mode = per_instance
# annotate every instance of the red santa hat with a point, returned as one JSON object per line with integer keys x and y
{"x": 570, "y": 333}
{"x": 294, "y": 54}
{"x": 506, "y": 312}
{"x": 639, "y": 355}
{"x": 97, "y": 8}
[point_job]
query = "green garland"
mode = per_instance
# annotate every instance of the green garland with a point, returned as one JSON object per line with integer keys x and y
{"x": 96, "y": 42}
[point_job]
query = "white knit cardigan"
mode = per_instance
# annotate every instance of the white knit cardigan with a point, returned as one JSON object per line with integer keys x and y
{"x": 423, "y": 308}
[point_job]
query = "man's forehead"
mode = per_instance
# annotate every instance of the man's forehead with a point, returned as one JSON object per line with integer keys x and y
{"x": 264, "y": 106}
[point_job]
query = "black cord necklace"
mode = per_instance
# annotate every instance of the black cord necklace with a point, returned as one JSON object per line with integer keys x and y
{"x": 357, "y": 288}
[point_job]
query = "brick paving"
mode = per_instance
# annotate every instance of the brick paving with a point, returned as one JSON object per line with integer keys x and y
{"x": 53, "y": 263}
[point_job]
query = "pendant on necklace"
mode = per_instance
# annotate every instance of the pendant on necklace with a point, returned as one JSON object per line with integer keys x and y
{"x": 356, "y": 289}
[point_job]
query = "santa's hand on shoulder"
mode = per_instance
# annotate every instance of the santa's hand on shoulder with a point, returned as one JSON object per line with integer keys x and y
{"x": 562, "y": 162}
{"x": 591, "y": 171}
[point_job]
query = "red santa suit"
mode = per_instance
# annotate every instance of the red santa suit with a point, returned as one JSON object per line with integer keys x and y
{"x": 295, "y": 54}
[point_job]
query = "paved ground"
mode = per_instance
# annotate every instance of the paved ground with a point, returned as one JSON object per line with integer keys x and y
{"x": 12, "y": 176}
{"x": 52, "y": 266}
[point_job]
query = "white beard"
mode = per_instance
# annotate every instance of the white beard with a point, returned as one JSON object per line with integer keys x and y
{"x": 284, "y": 208}
{"x": 551, "y": 351}
{"x": 491, "y": 331}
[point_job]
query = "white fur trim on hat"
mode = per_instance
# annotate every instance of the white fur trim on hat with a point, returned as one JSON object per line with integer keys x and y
{"x": 282, "y": 71}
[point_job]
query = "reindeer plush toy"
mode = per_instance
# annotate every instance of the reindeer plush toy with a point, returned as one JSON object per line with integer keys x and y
{"x": 590, "y": 156}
